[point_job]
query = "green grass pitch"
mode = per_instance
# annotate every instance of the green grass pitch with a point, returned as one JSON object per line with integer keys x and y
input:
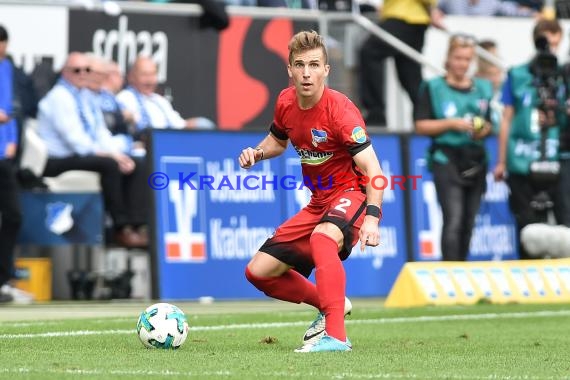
{"x": 255, "y": 340}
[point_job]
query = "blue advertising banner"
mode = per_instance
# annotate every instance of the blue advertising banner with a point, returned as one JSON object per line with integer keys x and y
{"x": 211, "y": 215}
{"x": 372, "y": 272}
{"x": 494, "y": 236}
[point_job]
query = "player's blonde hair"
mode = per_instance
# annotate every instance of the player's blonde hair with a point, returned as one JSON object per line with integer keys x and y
{"x": 307, "y": 40}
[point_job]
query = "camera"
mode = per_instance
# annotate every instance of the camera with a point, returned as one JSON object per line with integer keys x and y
{"x": 547, "y": 76}
{"x": 541, "y": 202}
{"x": 548, "y": 81}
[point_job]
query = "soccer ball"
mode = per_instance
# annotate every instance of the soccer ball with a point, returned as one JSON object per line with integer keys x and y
{"x": 162, "y": 325}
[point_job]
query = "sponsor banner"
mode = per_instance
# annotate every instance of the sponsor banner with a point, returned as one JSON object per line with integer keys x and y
{"x": 494, "y": 234}
{"x": 372, "y": 272}
{"x": 61, "y": 218}
{"x": 186, "y": 70}
{"x": 211, "y": 216}
{"x": 447, "y": 283}
{"x": 232, "y": 77}
{"x": 208, "y": 224}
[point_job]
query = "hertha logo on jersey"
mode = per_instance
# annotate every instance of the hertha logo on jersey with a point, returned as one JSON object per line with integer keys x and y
{"x": 318, "y": 136}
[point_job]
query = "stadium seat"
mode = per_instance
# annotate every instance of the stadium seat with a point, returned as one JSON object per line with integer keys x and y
{"x": 35, "y": 156}
{"x": 73, "y": 187}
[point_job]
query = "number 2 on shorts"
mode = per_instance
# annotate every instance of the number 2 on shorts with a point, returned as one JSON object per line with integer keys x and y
{"x": 344, "y": 203}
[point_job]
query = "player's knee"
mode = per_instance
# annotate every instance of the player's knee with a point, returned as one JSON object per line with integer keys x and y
{"x": 328, "y": 230}
{"x": 261, "y": 283}
{"x": 249, "y": 276}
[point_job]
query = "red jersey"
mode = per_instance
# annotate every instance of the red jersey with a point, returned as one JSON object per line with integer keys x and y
{"x": 325, "y": 137}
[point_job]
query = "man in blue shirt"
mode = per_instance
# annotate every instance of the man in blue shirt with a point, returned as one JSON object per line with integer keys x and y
{"x": 10, "y": 214}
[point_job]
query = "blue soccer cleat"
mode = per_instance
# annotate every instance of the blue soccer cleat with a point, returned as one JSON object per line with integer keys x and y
{"x": 327, "y": 344}
{"x": 317, "y": 329}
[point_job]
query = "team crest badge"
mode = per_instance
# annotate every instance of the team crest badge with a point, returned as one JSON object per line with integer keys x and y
{"x": 59, "y": 219}
{"x": 358, "y": 135}
{"x": 318, "y": 136}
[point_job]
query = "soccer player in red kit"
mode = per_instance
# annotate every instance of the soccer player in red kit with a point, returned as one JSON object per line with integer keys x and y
{"x": 328, "y": 133}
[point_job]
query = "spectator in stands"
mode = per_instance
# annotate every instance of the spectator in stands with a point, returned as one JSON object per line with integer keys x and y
{"x": 17, "y": 101}
{"x": 10, "y": 212}
{"x": 486, "y": 8}
{"x": 77, "y": 139}
{"x": 106, "y": 102}
{"x": 535, "y": 5}
{"x": 493, "y": 73}
{"x": 524, "y": 124}
{"x": 118, "y": 118}
{"x": 408, "y": 21}
{"x": 214, "y": 14}
{"x": 104, "y": 73}
{"x": 150, "y": 109}
{"x": 565, "y": 154}
{"x": 454, "y": 111}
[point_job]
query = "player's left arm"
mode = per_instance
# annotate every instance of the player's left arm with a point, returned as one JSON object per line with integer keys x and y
{"x": 368, "y": 163}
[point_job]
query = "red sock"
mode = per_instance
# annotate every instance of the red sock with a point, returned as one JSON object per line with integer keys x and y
{"x": 291, "y": 286}
{"x": 331, "y": 283}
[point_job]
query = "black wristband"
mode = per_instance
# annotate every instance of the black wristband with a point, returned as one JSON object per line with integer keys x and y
{"x": 374, "y": 210}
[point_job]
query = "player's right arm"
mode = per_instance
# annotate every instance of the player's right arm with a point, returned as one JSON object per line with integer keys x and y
{"x": 269, "y": 147}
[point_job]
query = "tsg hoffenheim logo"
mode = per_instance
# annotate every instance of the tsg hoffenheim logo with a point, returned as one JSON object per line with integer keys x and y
{"x": 58, "y": 217}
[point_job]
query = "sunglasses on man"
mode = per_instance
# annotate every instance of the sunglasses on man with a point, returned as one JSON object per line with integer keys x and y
{"x": 78, "y": 70}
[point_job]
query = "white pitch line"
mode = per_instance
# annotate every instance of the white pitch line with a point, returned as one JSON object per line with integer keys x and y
{"x": 226, "y": 373}
{"x": 428, "y": 318}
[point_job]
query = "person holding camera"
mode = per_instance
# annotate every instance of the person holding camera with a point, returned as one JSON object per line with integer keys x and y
{"x": 454, "y": 111}
{"x": 564, "y": 153}
{"x": 528, "y": 138}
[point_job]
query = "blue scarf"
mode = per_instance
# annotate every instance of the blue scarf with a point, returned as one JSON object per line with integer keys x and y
{"x": 144, "y": 122}
{"x": 90, "y": 129}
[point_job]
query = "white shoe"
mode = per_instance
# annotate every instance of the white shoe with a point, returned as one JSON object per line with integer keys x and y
{"x": 317, "y": 329}
{"x": 19, "y": 296}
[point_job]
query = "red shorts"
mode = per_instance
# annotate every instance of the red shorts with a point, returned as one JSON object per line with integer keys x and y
{"x": 290, "y": 243}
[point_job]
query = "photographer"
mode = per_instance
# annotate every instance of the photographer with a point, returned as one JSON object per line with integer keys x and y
{"x": 564, "y": 180}
{"x": 528, "y": 139}
{"x": 454, "y": 111}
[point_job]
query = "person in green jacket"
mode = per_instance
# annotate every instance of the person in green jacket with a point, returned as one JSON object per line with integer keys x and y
{"x": 523, "y": 124}
{"x": 454, "y": 110}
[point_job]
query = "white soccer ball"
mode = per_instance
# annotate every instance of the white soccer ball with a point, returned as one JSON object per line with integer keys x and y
{"x": 162, "y": 325}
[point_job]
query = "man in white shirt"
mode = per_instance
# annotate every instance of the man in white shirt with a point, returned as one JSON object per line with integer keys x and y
{"x": 150, "y": 109}
{"x": 77, "y": 139}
